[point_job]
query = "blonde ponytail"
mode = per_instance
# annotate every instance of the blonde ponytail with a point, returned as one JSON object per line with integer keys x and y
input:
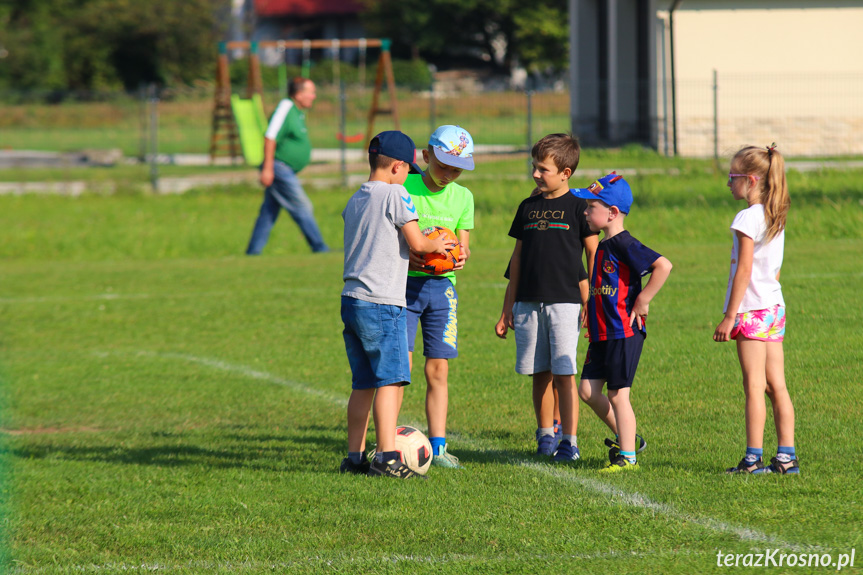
{"x": 769, "y": 165}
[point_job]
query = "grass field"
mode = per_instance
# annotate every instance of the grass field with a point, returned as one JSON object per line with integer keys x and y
{"x": 170, "y": 405}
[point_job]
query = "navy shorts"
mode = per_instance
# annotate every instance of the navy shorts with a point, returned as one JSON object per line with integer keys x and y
{"x": 614, "y": 360}
{"x": 376, "y": 343}
{"x": 434, "y": 302}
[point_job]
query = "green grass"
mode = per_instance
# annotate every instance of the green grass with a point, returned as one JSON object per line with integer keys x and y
{"x": 171, "y": 405}
{"x": 119, "y": 176}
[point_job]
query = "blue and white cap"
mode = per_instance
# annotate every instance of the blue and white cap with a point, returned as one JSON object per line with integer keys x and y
{"x": 453, "y": 146}
{"x": 611, "y": 190}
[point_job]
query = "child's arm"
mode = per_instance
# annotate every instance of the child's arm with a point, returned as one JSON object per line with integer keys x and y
{"x": 742, "y": 277}
{"x": 584, "y": 289}
{"x": 659, "y": 272}
{"x": 505, "y": 321}
{"x": 590, "y": 244}
{"x": 421, "y": 244}
{"x": 464, "y": 252}
{"x": 501, "y": 327}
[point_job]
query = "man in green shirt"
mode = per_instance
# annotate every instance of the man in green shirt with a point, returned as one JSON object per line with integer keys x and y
{"x": 287, "y": 150}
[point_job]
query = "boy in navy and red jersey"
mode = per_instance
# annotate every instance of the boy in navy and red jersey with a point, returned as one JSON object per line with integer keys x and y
{"x": 616, "y": 312}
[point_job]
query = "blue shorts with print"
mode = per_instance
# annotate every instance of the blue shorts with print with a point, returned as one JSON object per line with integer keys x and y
{"x": 434, "y": 302}
{"x": 614, "y": 361}
{"x": 376, "y": 342}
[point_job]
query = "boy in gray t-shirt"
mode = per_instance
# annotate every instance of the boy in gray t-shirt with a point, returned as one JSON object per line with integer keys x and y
{"x": 380, "y": 228}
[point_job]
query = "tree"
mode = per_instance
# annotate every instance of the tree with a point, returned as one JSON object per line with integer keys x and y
{"x": 106, "y": 44}
{"x": 500, "y": 32}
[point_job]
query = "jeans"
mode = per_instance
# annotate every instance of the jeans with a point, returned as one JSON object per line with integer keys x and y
{"x": 285, "y": 192}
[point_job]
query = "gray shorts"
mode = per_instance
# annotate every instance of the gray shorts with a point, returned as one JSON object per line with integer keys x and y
{"x": 546, "y": 337}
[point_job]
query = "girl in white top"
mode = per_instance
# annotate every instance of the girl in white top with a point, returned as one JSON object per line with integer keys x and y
{"x": 754, "y": 307}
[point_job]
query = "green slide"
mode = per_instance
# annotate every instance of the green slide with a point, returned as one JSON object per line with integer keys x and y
{"x": 251, "y": 124}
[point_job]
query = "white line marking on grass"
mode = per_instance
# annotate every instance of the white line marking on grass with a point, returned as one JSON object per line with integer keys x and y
{"x": 59, "y": 299}
{"x": 240, "y": 370}
{"x": 633, "y": 499}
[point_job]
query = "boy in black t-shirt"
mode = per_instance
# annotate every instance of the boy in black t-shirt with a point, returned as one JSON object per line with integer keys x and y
{"x": 543, "y": 303}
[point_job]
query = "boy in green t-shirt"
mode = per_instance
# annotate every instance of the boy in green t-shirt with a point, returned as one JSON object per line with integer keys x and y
{"x": 432, "y": 299}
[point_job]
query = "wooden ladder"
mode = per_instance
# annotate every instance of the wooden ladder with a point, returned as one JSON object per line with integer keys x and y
{"x": 385, "y": 67}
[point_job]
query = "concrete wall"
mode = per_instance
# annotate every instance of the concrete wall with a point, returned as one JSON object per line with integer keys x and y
{"x": 786, "y": 71}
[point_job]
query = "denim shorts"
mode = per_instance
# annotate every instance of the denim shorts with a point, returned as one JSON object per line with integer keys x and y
{"x": 433, "y": 301}
{"x": 614, "y": 360}
{"x": 376, "y": 342}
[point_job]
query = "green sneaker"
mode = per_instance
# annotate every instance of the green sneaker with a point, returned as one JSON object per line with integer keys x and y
{"x": 444, "y": 459}
{"x": 619, "y": 464}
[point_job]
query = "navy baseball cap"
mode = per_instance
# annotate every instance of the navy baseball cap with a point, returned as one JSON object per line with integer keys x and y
{"x": 611, "y": 190}
{"x": 397, "y": 146}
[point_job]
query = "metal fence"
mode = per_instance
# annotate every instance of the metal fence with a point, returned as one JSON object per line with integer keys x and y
{"x": 806, "y": 115}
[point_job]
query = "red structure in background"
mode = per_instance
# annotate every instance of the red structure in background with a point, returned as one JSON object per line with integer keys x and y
{"x": 300, "y": 8}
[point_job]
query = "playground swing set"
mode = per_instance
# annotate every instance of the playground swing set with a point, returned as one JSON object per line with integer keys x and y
{"x": 239, "y": 123}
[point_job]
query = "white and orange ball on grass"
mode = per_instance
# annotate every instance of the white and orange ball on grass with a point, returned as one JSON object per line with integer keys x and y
{"x": 440, "y": 264}
{"x": 414, "y": 448}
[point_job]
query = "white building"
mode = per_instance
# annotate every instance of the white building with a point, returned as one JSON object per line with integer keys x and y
{"x": 744, "y": 72}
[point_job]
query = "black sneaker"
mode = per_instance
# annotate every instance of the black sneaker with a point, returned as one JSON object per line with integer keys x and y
{"x": 746, "y": 467}
{"x": 361, "y": 468}
{"x": 614, "y": 447}
{"x": 781, "y": 467}
{"x": 393, "y": 468}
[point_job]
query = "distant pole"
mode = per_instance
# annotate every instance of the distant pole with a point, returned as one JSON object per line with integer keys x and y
{"x": 715, "y": 117}
{"x": 664, "y": 94}
{"x": 343, "y": 131}
{"x": 573, "y": 67}
{"x": 362, "y": 71}
{"x": 283, "y": 70}
{"x": 673, "y": 73}
{"x": 432, "y": 111}
{"x": 307, "y": 59}
{"x": 529, "y": 130}
{"x": 154, "y": 137}
{"x": 144, "y": 120}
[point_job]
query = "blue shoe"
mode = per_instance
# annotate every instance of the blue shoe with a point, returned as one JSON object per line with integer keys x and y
{"x": 566, "y": 452}
{"x": 781, "y": 467}
{"x": 546, "y": 445}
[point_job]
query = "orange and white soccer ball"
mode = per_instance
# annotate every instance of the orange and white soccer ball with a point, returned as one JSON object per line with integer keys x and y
{"x": 414, "y": 448}
{"x": 436, "y": 263}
